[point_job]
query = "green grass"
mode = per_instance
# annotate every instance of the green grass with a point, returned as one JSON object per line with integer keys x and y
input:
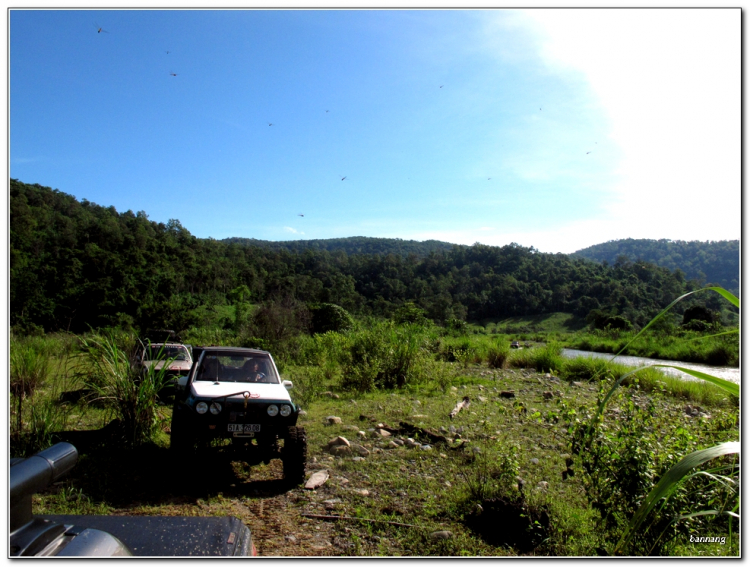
{"x": 429, "y": 491}
{"x": 557, "y": 322}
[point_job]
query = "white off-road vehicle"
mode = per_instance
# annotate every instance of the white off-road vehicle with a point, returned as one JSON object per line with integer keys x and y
{"x": 237, "y": 394}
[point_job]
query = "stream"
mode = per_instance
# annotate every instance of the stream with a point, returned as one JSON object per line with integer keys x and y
{"x": 730, "y": 373}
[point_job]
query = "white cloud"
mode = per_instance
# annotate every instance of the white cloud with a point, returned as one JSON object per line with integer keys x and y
{"x": 292, "y": 230}
{"x": 669, "y": 81}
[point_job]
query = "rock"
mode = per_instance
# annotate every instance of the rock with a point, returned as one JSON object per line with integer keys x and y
{"x": 576, "y": 384}
{"x": 399, "y": 442}
{"x": 454, "y": 389}
{"x": 362, "y": 491}
{"x": 340, "y": 450}
{"x": 332, "y": 420}
{"x": 290, "y": 538}
{"x": 443, "y": 534}
{"x": 358, "y": 459}
{"x": 426, "y": 447}
{"x": 302, "y": 413}
{"x": 350, "y": 427}
{"x": 417, "y": 403}
{"x": 535, "y": 461}
{"x": 382, "y": 433}
{"x": 392, "y": 445}
{"x": 419, "y": 416}
{"x": 481, "y": 399}
{"x": 448, "y": 483}
{"x": 547, "y": 395}
{"x": 411, "y": 443}
{"x": 361, "y": 434}
{"x": 542, "y": 485}
{"x": 476, "y": 449}
{"x": 317, "y": 479}
{"x": 339, "y": 441}
{"x": 331, "y": 395}
{"x": 360, "y": 450}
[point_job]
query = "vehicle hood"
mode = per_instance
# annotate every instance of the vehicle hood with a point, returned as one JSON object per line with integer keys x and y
{"x": 201, "y": 389}
{"x": 182, "y": 365}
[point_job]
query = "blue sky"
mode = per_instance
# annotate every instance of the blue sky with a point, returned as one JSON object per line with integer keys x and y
{"x": 557, "y": 129}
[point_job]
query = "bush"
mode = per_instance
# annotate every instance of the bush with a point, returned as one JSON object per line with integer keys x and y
{"x": 387, "y": 356}
{"x": 329, "y": 317}
{"x": 497, "y": 356}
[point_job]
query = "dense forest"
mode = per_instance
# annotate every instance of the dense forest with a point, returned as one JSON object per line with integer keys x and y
{"x": 353, "y": 245}
{"x": 707, "y": 262}
{"x": 75, "y": 265}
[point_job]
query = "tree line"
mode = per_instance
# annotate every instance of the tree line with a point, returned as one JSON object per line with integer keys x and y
{"x": 712, "y": 261}
{"x": 76, "y": 265}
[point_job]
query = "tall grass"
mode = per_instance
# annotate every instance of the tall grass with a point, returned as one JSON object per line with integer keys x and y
{"x": 129, "y": 391}
{"x": 29, "y": 364}
{"x": 39, "y": 373}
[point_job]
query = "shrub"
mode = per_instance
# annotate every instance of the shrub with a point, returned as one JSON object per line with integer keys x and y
{"x": 387, "y": 356}
{"x": 329, "y": 317}
{"x": 497, "y": 356}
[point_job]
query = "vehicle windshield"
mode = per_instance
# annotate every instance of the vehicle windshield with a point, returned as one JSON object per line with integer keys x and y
{"x": 178, "y": 352}
{"x": 234, "y": 367}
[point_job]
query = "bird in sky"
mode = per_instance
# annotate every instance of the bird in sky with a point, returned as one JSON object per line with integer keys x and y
{"x": 441, "y": 86}
{"x": 343, "y": 178}
{"x": 270, "y": 123}
{"x": 489, "y": 178}
{"x": 173, "y": 74}
{"x": 99, "y": 29}
{"x": 587, "y": 153}
{"x": 327, "y": 111}
{"x": 167, "y": 52}
{"x": 300, "y": 215}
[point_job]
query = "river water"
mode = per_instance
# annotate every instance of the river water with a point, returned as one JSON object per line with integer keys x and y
{"x": 726, "y": 372}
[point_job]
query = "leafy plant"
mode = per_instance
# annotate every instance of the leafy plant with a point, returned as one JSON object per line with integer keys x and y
{"x": 674, "y": 478}
{"x": 131, "y": 392}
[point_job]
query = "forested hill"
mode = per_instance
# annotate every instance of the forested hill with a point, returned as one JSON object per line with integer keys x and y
{"x": 352, "y": 245}
{"x": 716, "y": 262}
{"x": 75, "y": 265}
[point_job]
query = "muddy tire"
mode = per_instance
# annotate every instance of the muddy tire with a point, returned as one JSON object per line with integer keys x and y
{"x": 294, "y": 455}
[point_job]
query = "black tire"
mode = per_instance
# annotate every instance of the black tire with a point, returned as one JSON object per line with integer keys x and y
{"x": 294, "y": 455}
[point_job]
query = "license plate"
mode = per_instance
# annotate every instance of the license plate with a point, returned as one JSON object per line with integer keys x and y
{"x": 244, "y": 428}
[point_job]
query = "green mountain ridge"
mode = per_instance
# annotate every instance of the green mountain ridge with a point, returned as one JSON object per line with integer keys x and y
{"x": 352, "y": 245}
{"x": 710, "y": 262}
{"x": 75, "y": 265}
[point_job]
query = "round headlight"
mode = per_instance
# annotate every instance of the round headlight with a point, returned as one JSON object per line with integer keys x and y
{"x": 215, "y": 408}
{"x": 285, "y": 410}
{"x": 201, "y": 407}
{"x": 272, "y": 410}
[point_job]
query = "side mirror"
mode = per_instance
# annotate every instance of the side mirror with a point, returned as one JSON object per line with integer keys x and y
{"x": 287, "y": 384}
{"x": 182, "y": 382}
